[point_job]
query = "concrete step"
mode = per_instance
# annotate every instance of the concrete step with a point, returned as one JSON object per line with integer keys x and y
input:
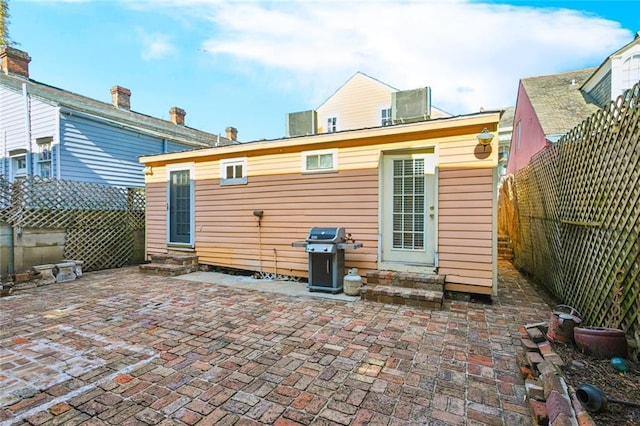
{"x": 415, "y": 297}
{"x": 505, "y": 248}
{"x": 165, "y": 269}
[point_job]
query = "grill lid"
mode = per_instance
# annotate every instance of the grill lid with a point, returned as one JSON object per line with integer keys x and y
{"x": 326, "y": 235}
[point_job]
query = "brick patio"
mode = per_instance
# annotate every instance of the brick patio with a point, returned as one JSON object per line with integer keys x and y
{"x": 121, "y": 347}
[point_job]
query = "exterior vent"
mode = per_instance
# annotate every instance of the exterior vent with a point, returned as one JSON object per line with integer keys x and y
{"x": 409, "y": 106}
{"x": 301, "y": 123}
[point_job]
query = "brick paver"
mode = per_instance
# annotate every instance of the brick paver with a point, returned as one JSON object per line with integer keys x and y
{"x": 120, "y": 347}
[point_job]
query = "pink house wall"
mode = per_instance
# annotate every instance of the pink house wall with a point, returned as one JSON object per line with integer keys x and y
{"x": 526, "y": 128}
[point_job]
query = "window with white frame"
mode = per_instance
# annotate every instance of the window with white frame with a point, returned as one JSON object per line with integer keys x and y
{"x": 18, "y": 163}
{"x": 44, "y": 156}
{"x": 631, "y": 71}
{"x": 320, "y": 161}
{"x": 385, "y": 117}
{"x": 332, "y": 124}
{"x": 233, "y": 171}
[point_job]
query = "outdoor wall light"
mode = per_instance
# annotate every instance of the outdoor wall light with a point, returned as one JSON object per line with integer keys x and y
{"x": 484, "y": 138}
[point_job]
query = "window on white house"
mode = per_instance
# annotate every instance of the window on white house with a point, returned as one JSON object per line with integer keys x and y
{"x": 233, "y": 171}
{"x": 630, "y": 71}
{"x": 18, "y": 163}
{"x": 332, "y": 124}
{"x": 385, "y": 117}
{"x": 44, "y": 156}
{"x": 320, "y": 161}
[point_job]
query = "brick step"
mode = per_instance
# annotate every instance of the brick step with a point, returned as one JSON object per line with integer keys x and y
{"x": 416, "y": 297}
{"x": 431, "y": 282}
{"x": 175, "y": 259}
{"x": 165, "y": 269}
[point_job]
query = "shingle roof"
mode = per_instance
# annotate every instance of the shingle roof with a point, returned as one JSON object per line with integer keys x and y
{"x": 83, "y": 104}
{"x": 506, "y": 120}
{"x": 558, "y": 101}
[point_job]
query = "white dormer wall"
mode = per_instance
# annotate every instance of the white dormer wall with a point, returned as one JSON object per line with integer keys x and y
{"x": 356, "y": 105}
{"x": 617, "y": 62}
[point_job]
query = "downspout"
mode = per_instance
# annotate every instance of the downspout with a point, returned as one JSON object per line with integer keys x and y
{"x": 11, "y": 248}
{"x": 27, "y": 133}
{"x": 4, "y": 154}
{"x": 58, "y": 158}
{"x": 11, "y": 253}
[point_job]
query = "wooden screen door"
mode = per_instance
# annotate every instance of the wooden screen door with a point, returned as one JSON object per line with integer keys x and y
{"x": 408, "y": 209}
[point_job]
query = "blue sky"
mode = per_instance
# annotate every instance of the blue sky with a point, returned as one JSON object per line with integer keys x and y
{"x": 247, "y": 63}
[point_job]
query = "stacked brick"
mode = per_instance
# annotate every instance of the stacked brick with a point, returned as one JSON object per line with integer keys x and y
{"x": 551, "y": 400}
{"x": 424, "y": 291}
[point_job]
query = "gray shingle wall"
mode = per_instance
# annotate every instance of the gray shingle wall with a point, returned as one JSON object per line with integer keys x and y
{"x": 602, "y": 92}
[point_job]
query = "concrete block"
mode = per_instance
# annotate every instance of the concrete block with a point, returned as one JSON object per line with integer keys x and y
{"x": 65, "y": 272}
{"x": 534, "y": 389}
{"x": 46, "y": 273}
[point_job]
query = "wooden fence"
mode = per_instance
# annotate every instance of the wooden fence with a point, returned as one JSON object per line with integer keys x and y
{"x": 573, "y": 215}
{"x": 101, "y": 222}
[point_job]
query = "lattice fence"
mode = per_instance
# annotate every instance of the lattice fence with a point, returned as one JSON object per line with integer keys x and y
{"x": 99, "y": 220}
{"x": 576, "y": 216}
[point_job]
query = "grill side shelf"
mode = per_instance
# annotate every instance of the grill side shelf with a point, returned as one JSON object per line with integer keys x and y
{"x": 344, "y": 246}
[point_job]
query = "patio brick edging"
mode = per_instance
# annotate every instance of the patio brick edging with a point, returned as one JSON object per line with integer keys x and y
{"x": 551, "y": 400}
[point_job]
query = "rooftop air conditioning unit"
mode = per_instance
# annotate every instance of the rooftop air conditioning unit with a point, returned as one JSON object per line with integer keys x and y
{"x": 409, "y": 106}
{"x": 302, "y": 123}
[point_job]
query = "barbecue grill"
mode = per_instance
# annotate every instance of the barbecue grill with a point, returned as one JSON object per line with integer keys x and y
{"x": 326, "y": 247}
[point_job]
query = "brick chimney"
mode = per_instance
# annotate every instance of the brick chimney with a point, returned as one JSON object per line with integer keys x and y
{"x": 232, "y": 133}
{"x": 177, "y": 115}
{"x": 14, "y": 61}
{"x": 121, "y": 97}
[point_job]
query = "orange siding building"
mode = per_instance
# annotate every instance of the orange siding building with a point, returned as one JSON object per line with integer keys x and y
{"x": 419, "y": 197}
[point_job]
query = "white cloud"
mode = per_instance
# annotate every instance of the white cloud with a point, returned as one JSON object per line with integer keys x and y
{"x": 155, "y": 45}
{"x": 471, "y": 54}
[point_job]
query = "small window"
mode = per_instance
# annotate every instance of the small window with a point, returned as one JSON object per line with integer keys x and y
{"x": 233, "y": 171}
{"x": 332, "y": 124}
{"x": 320, "y": 161}
{"x": 385, "y": 117}
{"x": 630, "y": 71}
{"x": 44, "y": 156}
{"x": 19, "y": 165}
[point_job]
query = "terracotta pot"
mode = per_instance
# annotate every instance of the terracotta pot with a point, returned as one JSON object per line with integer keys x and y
{"x": 601, "y": 342}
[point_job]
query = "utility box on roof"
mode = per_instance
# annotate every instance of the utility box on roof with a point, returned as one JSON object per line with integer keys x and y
{"x": 302, "y": 123}
{"x": 409, "y": 106}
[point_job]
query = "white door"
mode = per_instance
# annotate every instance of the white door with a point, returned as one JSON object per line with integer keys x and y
{"x": 408, "y": 209}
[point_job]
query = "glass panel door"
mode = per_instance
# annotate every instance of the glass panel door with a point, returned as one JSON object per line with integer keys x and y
{"x": 408, "y": 216}
{"x": 180, "y": 214}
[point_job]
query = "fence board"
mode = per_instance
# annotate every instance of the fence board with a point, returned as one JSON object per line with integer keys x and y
{"x": 99, "y": 220}
{"x": 573, "y": 216}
